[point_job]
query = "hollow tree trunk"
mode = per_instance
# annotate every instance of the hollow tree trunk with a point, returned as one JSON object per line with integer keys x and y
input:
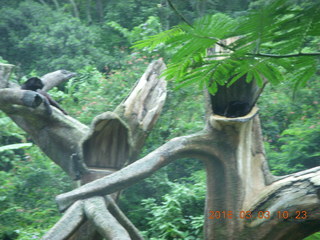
{"x": 257, "y": 204}
{"x": 243, "y": 200}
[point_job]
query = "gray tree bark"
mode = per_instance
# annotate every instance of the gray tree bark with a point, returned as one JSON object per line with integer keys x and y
{"x": 243, "y": 201}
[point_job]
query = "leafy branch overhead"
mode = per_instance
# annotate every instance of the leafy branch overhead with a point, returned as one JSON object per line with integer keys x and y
{"x": 276, "y": 39}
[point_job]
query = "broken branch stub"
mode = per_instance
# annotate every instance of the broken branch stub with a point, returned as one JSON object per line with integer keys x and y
{"x": 118, "y": 136}
{"x": 142, "y": 108}
{"x": 18, "y": 97}
{"x": 53, "y": 79}
{"x": 5, "y": 72}
{"x": 239, "y": 98}
{"x": 107, "y": 146}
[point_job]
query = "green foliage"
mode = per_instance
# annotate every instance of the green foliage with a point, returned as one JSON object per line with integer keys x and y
{"x": 143, "y": 31}
{"x": 291, "y": 127}
{"x": 150, "y": 27}
{"x": 35, "y": 37}
{"x": 26, "y": 203}
{"x": 9, "y": 134}
{"x": 131, "y": 13}
{"x": 45, "y": 37}
{"x": 3, "y": 61}
{"x": 315, "y": 236}
{"x": 42, "y": 39}
{"x": 180, "y": 213}
{"x": 272, "y": 42}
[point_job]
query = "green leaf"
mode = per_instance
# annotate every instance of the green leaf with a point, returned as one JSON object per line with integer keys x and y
{"x": 258, "y": 78}
{"x": 249, "y": 77}
{"x": 279, "y": 27}
{"x": 155, "y": 40}
{"x": 235, "y": 78}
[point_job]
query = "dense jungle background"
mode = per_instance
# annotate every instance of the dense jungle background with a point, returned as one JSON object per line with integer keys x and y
{"x": 94, "y": 39}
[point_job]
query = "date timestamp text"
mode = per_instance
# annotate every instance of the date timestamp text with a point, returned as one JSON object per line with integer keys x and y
{"x": 298, "y": 215}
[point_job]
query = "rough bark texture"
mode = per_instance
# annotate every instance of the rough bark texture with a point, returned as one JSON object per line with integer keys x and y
{"x": 5, "y": 72}
{"x": 53, "y": 79}
{"x": 256, "y": 204}
{"x": 116, "y": 138}
{"x": 107, "y": 225}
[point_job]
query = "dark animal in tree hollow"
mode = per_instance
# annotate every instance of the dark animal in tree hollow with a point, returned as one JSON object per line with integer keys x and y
{"x": 237, "y": 109}
{"x": 35, "y": 84}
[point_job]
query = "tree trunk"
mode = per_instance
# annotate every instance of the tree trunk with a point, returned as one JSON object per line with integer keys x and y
{"x": 75, "y": 9}
{"x": 56, "y": 4}
{"x": 243, "y": 200}
{"x": 100, "y": 10}
{"x": 88, "y": 11}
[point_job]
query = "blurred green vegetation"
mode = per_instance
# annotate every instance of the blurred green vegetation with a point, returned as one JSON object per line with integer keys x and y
{"x": 40, "y": 38}
{"x": 291, "y": 126}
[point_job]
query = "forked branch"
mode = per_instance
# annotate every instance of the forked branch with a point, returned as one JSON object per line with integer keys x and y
{"x": 97, "y": 212}
{"x": 138, "y": 170}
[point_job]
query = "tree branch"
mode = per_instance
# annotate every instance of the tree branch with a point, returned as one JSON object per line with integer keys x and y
{"x": 287, "y": 205}
{"x": 25, "y": 98}
{"x": 49, "y": 128}
{"x": 53, "y": 79}
{"x": 285, "y": 55}
{"x": 123, "y": 220}
{"x": 178, "y": 13}
{"x": 224, "y": 46}
{"x": 51, "y": 132}
{"x": 70, "y": 221}
{"x": 75, "y": 8}
{"x": 138, "y": 170}
{"x": 96, "y": 210}
{"x": 5, "y": 72}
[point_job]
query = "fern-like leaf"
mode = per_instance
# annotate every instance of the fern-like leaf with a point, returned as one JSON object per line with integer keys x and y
{"x": 271, "y": 43}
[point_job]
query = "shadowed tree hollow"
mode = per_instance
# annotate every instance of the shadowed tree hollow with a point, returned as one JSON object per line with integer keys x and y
{"x": 248, "y": 199}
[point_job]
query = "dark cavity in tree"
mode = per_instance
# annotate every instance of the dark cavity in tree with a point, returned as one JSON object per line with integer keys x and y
{"x": 237, "y": 109}
{"x": 236, "y": 100}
